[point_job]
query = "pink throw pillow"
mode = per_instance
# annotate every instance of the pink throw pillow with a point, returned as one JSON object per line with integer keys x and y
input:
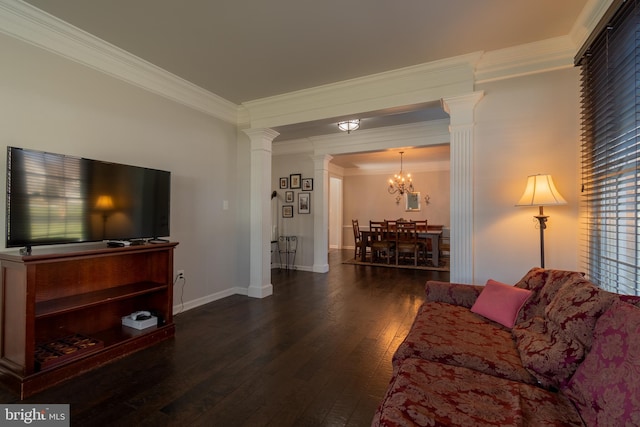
{"x": 606, "y": 386}
{"x": 500, "y": 302}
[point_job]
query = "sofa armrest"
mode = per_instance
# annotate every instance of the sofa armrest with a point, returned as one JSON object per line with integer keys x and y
{"x": 452, "y": 293}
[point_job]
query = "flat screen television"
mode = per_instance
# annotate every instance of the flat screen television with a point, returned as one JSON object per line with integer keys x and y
{"x": 56, "y": 199}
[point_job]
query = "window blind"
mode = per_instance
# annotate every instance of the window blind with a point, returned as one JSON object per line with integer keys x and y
{"x": 610, "y": 202}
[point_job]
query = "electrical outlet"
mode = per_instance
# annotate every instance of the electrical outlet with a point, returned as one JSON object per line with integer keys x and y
{"x": 180, "y": 274}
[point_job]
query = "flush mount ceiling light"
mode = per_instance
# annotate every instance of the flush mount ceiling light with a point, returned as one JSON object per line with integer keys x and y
{"x": 349, "y": 125}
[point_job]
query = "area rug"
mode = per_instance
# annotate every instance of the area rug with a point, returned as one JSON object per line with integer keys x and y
{"x": 444, "y": 265}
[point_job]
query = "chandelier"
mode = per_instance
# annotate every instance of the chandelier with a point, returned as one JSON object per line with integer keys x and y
{"x": 349, "y": 125}
{"x": 400, "y": 183}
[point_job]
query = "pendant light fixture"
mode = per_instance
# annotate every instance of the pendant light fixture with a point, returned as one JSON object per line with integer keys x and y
{"x": 401, "y": 182}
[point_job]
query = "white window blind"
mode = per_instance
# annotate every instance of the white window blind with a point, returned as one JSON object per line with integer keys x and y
{"x": 610, "y": 200}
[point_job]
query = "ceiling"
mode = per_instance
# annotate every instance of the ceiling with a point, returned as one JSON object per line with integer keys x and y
{"x": 244, "y": 50}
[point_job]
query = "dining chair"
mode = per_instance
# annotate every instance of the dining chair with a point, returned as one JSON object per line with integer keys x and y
{"x": 423, "y": 241}
{"x": 407, "y": 241}
{"x": 391, "y": 225}
{"x": 381, "y": 242}
{"x": 357, "y": 238}
{"x": 421, "y": 225}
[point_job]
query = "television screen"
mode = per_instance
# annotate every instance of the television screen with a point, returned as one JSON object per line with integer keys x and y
{"x": 54, "y": 198}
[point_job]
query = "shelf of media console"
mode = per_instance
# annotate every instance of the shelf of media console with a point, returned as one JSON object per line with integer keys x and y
{"x": 71, "y": 303}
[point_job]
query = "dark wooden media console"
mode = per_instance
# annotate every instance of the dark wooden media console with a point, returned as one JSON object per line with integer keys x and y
{"x": 61, "y": 311}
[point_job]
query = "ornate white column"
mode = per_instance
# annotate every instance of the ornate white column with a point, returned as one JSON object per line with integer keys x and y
{"x": 321, "y": 213}
{"x": 461, "y": 127}
{"x": 260, "y": 221}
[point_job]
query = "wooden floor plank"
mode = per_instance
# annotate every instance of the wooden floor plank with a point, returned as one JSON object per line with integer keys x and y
{"x": 315, "y": 353}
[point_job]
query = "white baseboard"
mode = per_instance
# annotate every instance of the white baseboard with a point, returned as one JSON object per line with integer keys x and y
{"x": 295, "y": 267}
{"x": 180, "y": 308}
{"x": 238, "y": 290}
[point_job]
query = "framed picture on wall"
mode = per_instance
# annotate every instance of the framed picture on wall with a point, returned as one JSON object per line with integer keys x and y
{"x": 287, "y": 211}
{"x": 294, "y": 180}
{"x": 307, "y": 184}
{"x": 288, "y": 196}
{"x": 304, "y": 203}
{"x": 284, "y": 182}
{"x": 412, "y": 201}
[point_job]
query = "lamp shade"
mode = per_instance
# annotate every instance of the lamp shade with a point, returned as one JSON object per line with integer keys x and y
{"x": 104, "y": 203}
{"x": 541, "y": 191}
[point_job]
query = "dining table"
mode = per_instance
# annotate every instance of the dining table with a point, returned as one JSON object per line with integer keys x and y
{"x": 432, "y": 235}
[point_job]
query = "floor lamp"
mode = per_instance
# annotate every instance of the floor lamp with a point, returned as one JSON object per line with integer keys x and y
{"x": 541, "y": 191}
{"x": 104, "y": 205}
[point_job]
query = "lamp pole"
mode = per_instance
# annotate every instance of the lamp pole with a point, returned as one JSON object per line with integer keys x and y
{"x": 542, "y": 219}
{"x": 541, "y": 191}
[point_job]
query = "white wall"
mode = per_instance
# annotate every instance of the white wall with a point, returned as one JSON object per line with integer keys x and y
{"x": 525, "y": 126}
{"x": 301, "y": 225}
{"x": 50, "y": 103}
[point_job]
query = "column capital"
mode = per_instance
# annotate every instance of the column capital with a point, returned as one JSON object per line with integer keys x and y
{"x": 261, "y": 138}
{"x": 321, "y": 161}
{"x": 461, "y": 108}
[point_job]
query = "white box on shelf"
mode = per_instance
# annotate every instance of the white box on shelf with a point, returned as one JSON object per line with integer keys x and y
{"x": 140, "y": 324}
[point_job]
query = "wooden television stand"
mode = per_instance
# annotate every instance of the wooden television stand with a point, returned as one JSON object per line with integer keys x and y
{"x": 61, "y": 309}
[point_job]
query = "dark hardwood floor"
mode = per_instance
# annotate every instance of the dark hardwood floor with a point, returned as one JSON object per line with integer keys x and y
{"x": 315, "y": 353}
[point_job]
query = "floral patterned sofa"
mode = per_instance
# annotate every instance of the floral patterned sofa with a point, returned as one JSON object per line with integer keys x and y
{"x": 553, "y": 350}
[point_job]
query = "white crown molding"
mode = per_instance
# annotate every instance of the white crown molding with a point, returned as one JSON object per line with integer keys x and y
{"x": 31, "y": 25}
{"x": 526, "y": 59}
{"x": 435, "y": 166}
{"x": 406, "y": 86}
{"x": 244, "y": 120}
{"x": 544, "y": 55}
{"x": 587, "y": 21}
